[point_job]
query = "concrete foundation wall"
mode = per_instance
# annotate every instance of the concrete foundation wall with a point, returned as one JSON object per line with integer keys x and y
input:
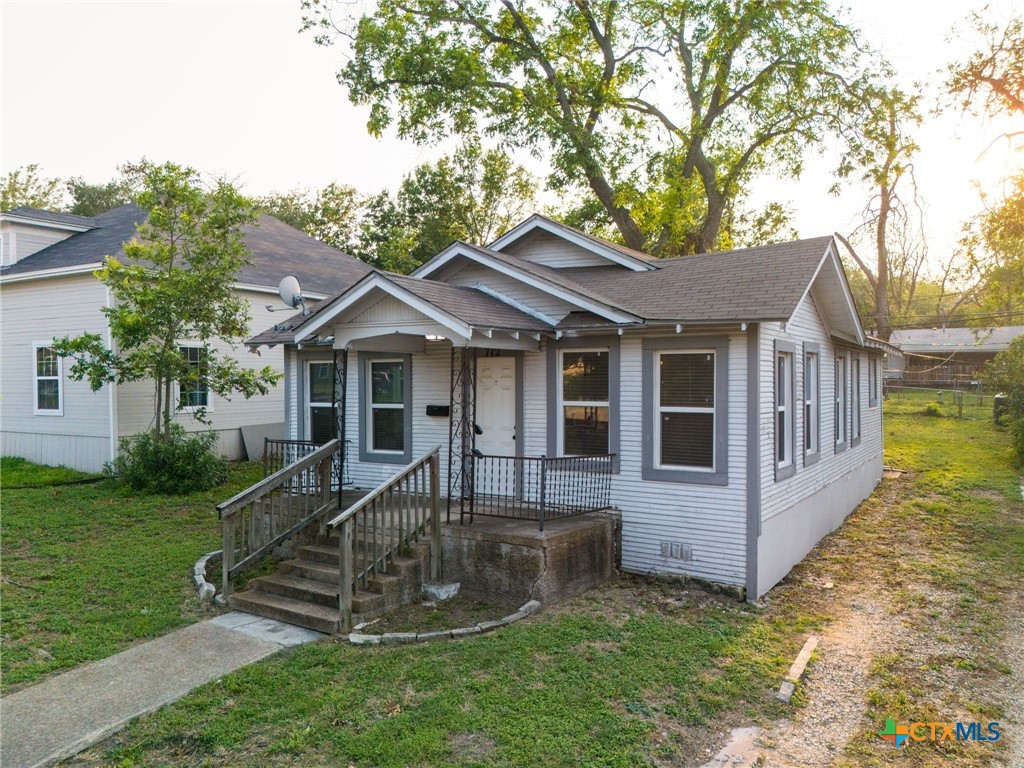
{"x": 788, "y": 536}
{"x": 504, "y": 559}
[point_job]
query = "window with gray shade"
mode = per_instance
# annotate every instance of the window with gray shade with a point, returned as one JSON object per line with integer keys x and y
{"x": 584, "y": 402}
{"x": 784, "y": 409}
{"x": 685, "y": 410}
{"x": 320, "y": 402}
{"x": 811, "y": 425}
{"x": 193, "y": 391}
{"x": 386, "y": 406}
{"x": 47, "y": 375}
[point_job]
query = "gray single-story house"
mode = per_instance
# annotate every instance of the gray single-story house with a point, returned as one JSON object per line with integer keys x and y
{"x": 734, "y": 396}
{"x": 48, "y": 290}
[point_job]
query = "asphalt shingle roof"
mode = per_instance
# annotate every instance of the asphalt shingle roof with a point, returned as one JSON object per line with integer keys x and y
{"x": 55, "y": 216}
{"x": 276, "y": 250}
{"x": 762, "y": 283}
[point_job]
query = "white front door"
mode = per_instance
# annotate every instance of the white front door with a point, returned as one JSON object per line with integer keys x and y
{"x": 496, "y": 406}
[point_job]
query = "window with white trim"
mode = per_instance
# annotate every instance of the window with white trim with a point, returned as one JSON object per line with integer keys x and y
{"x": 385, "y": 406}
{"x": 872, "y": 381}
{"x": 855, "y": 390}
{"x": 49, "y": 394}
{"x": 842, "y": 382}
{"x": 320, "y": 407}
{"x": 684, "y": 397}
{"x": 812, "y": 414}
{"x": 583, "y": 402}
{"x": 784, "y": 409}
{"x": 193, "y": 390}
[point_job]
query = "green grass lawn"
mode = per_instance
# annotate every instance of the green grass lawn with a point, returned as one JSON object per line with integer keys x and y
{"x": 17, "y": 473}
{"x": 88, "y": 570}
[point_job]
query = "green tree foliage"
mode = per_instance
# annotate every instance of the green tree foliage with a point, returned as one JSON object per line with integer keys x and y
{"x": 26, "y": 186}
{"x": 991, "y": 80}
{"x": 93, "y": 199}
{"x": 331, "y": 214}
{"x": 663, "y": 111}
{"x": 175, "y": 283}
{"x": 1005, "y": 374}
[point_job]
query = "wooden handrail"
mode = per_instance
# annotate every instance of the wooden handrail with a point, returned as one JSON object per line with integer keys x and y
{"x": 271, "y": 482}
{"x": 382, "y": 488}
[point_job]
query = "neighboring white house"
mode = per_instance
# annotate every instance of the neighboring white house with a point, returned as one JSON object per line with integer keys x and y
{"x": 48, "y": 290}
{"x": 737, "y": 391}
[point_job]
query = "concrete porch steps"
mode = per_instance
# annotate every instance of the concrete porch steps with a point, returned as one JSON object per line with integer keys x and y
{"x": 304, "y": 591}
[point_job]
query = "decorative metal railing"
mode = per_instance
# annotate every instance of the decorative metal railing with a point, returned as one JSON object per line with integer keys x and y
{"x": 384, "y": 524}
{"x": 540, "y": 488}
{"x": 285, "y": 503}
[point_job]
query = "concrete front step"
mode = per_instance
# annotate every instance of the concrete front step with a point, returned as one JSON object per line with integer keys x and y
{"x": 298, "y": 612}
{"x": 298, "y": 588}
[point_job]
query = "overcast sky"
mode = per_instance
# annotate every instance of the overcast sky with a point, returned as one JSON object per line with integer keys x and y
{"x": 233, "y": 88}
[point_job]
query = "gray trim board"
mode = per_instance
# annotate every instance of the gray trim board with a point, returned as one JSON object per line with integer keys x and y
{"x": 812, "y": 457}
{"x": 614, "y": 376}
{"x": 789, "y": 347}
{"x": 720, "y": 474}
{"x": 520, "y": 364}
{"x": 753, "y": 457}
{"x": 373, "y": 457}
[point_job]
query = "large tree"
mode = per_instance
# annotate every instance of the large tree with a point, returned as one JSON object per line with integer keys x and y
{"x": 879, "y": 153}
{"x": 27, "y": 186}
{"x": 176, "y": 283}
{"x": 701, "y": 94}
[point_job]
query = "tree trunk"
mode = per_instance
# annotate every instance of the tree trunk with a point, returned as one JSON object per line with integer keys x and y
{"x": 621, "y": 217}
{"x": 883, "y": 322}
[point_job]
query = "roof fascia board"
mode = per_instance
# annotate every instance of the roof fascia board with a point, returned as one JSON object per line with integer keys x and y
{"x": 41, "y": 274}
{"x": 256, "y": 288}
{"x": 43, "y": 223}
{"x": 379, "y": 281}
{"x": 830, "y": 255}
{"x": 458, "y": 249}
{"x": 552, "y": 228}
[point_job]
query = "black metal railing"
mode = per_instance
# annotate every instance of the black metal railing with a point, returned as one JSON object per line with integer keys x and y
{"x": 278, "y": 454}
{"x": 540, "y": 488}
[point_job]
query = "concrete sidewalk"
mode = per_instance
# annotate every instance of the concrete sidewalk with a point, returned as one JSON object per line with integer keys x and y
{"x": 70, "y": 712}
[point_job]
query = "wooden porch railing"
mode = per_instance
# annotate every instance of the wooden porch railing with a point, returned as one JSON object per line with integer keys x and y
{"x": 276, "y": 508}
{"x": 382, "y": 524}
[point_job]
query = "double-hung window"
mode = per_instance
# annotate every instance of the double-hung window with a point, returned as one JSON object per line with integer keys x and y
{"x": 812, "y": 412}
{"x": 583, "y": 386}
{"x": 785, "y": 412}
{"x": 684, "y": 422}
{"x": 872, "y": 381}
{"x": 193, "y": 390}
{"x": 385, "y": 405}
{"x": 49, "y": 394}
{"x": 841, "y": 397}
{"x": 321, "y": 411}
{"x": 855, "y": 392}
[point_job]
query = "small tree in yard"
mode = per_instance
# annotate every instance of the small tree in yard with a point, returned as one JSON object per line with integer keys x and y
{"x": 1005, "y": 373}
{"x": 175, "y": 284}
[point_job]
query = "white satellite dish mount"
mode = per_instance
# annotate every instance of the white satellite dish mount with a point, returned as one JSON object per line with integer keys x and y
{"x": 291, "y": 294}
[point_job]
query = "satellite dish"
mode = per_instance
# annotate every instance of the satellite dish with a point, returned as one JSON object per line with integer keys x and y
{"x": 291, "y": 293}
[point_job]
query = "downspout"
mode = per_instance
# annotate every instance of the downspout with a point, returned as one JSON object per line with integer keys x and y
{"x": 753, "y": 456}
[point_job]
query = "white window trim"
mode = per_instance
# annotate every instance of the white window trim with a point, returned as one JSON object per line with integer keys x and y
{"x": 560, "y": 400}
{"x": 812, "y": 407}
{"x": 36, "y": 378}
{"x": 784, "y": 402}
{"x": 370, "y": 405}
{"x": 856, "y": 397}
{"x": 660, "y": 409}
{"x": 176, "y": 394}
{"x": 840, "y": 399}
{"x": 310, "y": 405}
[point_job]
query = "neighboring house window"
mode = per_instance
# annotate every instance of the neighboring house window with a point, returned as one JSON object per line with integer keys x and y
{"x": 785, "y": 412}
{"x": 385, "y": 413}
{"x": 685, "y": 407}
{"x": 49, "y": 394}
{"x": 194, "y": 392}
{"x": 321, "y": 411}
{"x": 842, "y": 382}
{"x": 855, "y": 390}
{"x": 584, "y": 402}
{"x": 684, "y": 389}
{"x": 812, "y": 411}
